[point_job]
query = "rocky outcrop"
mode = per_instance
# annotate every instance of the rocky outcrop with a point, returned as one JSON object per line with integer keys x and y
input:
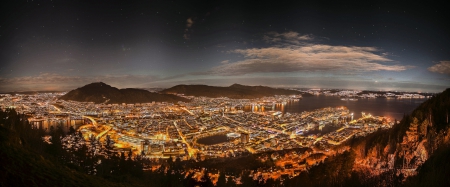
{"x": 410, "y": 143}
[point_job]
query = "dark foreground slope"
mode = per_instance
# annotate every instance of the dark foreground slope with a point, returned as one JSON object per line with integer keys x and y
{"x": 22, "y": 166}
{"x": 235, "y": 91}
{"x": 435, "y": 171}
{"x": 102, "y": 93}
{"x": 26, "y": 160}
{"x": 415, "y": 138}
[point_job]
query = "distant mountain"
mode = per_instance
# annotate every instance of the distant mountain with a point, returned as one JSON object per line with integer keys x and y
{"x": 235, "y": 91}
{"x": 100, "y": 92}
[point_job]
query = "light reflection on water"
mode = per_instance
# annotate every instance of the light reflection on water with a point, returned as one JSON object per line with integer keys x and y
{"x": 389, "y": 107}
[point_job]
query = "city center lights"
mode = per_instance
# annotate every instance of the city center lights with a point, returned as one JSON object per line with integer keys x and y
{"x": 167, "y": 130}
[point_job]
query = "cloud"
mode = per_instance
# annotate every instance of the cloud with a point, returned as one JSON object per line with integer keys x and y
{"x": 187, "y": 30}
{"x": 294, "y": 52}
{"x": 443, "y": 67}
{"x": 225, "y": 62}
{"x": 189, "y": 23}
{"x": 41, "y": 79}
{"x": 186, "y": 36}
{"x": 307, "y": 57}
{"x": 287, "y": 37}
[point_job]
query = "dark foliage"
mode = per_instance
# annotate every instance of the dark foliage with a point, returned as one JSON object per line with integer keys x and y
{"x": 27, "y": 161}
{"x": 435, "y": 171}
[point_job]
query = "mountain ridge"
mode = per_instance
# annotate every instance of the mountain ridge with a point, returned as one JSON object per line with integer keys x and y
{"x": 234, "y": 91}
{"x": 99, "y": 92}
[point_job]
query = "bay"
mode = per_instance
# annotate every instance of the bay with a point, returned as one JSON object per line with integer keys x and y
{"x": 389, "y": 107}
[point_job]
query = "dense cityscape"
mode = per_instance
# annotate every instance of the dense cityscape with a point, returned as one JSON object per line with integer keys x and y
{"x": 206, "y": 128}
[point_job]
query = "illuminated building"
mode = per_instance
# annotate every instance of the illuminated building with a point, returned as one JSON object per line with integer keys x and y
{"x": 245, "y": 137}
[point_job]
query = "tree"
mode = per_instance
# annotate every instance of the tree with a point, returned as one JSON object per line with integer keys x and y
{"x": 222, "y": 181}
{"x": 130, "y": 154}
{"x": 71, "y": 130}
{"x": 270, "y": 182}
{"x": 246, "y": 180}
{"x": 189, "y": 181}
{"x": 108, "y": 145}
{"x": 122, "y": 156}
{"x": 230, "y": 182}
{"x": 206, "y": 181}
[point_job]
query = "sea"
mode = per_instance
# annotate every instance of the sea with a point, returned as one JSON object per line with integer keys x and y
{"x": 392, "y": 108}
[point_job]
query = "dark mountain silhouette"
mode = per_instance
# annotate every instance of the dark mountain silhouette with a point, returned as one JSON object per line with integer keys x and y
{"x": 100, "y": 92}
{"x": 235, "y": 91}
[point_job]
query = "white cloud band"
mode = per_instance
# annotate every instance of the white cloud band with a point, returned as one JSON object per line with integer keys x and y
{"x": 308, "y": 57}
{"x": 443, "y": 67}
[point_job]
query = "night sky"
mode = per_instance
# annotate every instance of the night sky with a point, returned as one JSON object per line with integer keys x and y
{"x": 62, "y": 45}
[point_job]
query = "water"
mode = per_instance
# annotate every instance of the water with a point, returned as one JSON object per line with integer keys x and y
{"x": 64, "y": 124}
{"x": 388, "y": 107}
{"x": 211, "y": 140}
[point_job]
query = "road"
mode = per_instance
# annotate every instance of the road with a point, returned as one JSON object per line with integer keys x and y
{"x": 190, "y": 150}
{"x": 92, "y": 119}
{"x": 103, "y": 133}
{"x": 185, "y": 109}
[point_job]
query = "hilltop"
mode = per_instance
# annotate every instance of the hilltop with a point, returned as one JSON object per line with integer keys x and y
{"x": 100, "y": 92}
{"x": 235, "y": 91}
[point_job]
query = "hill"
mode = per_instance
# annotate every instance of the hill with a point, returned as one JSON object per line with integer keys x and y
{"x": 100, "y": 92}
{"x": 235, "y": 91}
{"x": 24, "y": 165}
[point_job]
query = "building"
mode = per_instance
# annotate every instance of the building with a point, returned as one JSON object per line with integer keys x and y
{"x": 145, "y": 147}
{"x": 245, "y": 137}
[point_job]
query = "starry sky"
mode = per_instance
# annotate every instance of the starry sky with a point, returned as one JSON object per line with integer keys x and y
{"x": 62, "y": 45}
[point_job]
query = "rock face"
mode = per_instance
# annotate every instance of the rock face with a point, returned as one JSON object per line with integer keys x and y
{"x": 412, "y": 148}
{"x": 410, "y": 143}
{"x": 100, "y": 92}
{"x": 235, "y": 91}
